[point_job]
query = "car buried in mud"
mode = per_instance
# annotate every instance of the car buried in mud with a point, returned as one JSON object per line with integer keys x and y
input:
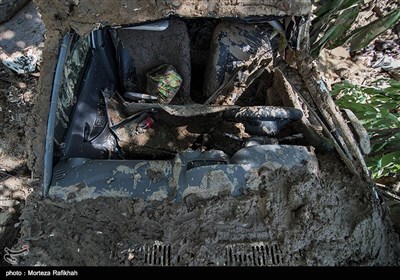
{"x": 208, "y": 110}
{"x": 153, "y": 109}
{"x": 115, "y": 132}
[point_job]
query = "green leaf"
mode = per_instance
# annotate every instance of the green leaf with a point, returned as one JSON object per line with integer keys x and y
{"x": 335, "y": 35}
{"x": 334, "y": 6}
{"x": 392, "y": 118}
{"x": 379, "y": 147}
{"x": 316, "y": 48}
{"x": 349, "y": 3}
{"x": 375, "y": 106}
{"x": 329, "y": 7}
{"x": 361, "y": 37}
{"x": 394, "y": 83}
{"x": 344, "y": 23}
{"x": 388, "y": 106}
{"x": 357, "y": 107}
{"x": 371, "y": 90}
{"x": 319, "y": 26}
{"x": 390, "y": 158}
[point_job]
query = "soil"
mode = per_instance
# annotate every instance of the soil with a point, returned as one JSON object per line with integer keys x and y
{"x": 307, "y": 217}
{"x": 341, "y": 64}
{"x": 297, "y": 216}
{"x": 10, "y": 8}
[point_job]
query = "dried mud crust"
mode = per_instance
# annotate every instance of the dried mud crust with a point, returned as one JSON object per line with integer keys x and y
{"x": 84, "y": 16}
{"x": 313, "y": 219}
{"x": 16, "y": 101}
{"x": 306, "y": 217}
{"x": 9, "y": 8}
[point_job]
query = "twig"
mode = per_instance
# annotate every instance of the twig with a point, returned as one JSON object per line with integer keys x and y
{"x": 387, "y": 191}
{"x": 385, "y": 151}
{"x": 383, "y": 133}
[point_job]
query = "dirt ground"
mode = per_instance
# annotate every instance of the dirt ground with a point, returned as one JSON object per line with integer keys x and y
{"x": 306, "y": 217}
{"x": 299, "y": 216}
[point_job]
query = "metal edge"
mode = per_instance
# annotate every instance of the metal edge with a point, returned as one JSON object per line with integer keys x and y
{"x": 49, "y": 144}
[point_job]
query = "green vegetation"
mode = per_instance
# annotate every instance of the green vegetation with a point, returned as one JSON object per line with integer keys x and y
{"x": 333, "y": 26}
{"x": 378, "y": 108}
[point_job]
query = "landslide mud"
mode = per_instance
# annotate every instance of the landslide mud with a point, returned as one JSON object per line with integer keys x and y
{"x": 294, "y": 217}
{"x": 300, "y": 216}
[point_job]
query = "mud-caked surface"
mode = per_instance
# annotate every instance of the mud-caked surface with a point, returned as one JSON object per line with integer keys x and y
{"x": 83, "y": 16}
{"x": 16, "y": 98}
{"x": 9, "y": 8}
{"x": 300, "y": 216}
{"x": 17, "y": 95}
{"x": 287, "y": 217}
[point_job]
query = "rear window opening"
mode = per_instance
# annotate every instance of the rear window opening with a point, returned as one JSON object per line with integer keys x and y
{"x": 112, "y": 85}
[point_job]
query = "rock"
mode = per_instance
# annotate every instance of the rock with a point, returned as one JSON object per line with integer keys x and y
{"x": 387, "y": 63}
{"x": 10, "y": 7}
{"x": 23, "y": 63}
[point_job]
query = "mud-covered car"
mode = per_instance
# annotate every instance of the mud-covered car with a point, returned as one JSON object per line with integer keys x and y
{"x": 134, "y": 102}
{"x": 194, "y": 90}
{"x": 208, "y": 119}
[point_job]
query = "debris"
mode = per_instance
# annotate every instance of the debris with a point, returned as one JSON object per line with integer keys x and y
{"x": 387, "y": 63}
{"x": 25, "y": 62}
{"x": 164, "y": 81}
{"x": 131, "y": 256}
{"x": 135, "y": 96}
{"x": 147, "y": 123}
